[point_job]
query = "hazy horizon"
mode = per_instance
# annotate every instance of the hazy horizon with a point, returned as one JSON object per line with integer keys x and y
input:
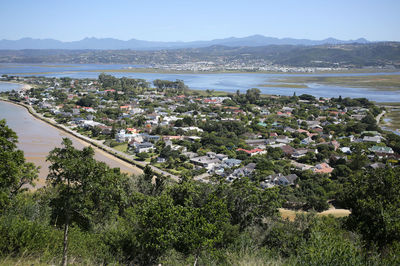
{"x": 176, "y": 20}
{"x": 195, "y": 40}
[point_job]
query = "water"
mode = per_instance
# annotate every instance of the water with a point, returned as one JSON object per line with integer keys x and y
{"x": 37, "y": 139}
{"x": 7, "y": 86}
{"x": 220, "y": 82}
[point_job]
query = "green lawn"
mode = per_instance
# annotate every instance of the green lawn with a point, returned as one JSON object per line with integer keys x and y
{"x": 123, "y": 147}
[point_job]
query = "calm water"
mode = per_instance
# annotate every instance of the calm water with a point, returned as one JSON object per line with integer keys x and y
{"x": 6, "y": 86}
{"x": 37, "y": 139}
{"x": 220, "y": 82}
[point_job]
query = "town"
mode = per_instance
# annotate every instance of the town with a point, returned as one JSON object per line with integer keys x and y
{"x": 304, "y": 145}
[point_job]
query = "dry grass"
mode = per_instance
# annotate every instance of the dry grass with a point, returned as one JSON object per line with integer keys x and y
{"x": 291, "y": 215}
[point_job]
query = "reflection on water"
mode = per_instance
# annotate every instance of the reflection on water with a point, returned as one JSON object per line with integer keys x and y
{"x": 37, "y": 139}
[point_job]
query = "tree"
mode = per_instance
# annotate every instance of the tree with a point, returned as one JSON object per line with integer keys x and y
{"x": 253, "y": 95}
{"x": 89, "y": 192}
{"x": 142, "y": 156}
{"x": 188, "y": 217}
{"x": 96, "y": 131}
{"x": 15, "y": 172}
{"x": 248, "y": 204}
{"x": 87, "y": 101}
{"x": 374, "y": 200}
{"x": 307, "y": 97}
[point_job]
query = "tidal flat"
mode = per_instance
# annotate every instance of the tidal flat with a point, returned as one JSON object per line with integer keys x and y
{"x": 374, "y": 82}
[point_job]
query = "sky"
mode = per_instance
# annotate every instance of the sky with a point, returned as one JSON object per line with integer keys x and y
{"x": 185, "y": 20}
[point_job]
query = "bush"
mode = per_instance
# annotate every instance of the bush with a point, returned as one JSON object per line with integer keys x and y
{"x": 114, "y": 143}
{"x": 20, "y": 237}
{"x": 142, "y": 156}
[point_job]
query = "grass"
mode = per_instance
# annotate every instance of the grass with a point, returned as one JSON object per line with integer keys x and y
{"x": 23, "y": 261}
{"x": 284, "y": 85}
{"x": 290, "y": 214}
{"x": 389, "y": 104}
{"x": 122, "y": 148}
{"x": 213, "y": 93}
{"x": 378, "y": 82}
{"x": 394, "y": 116}
{"x": 393, "y": 113}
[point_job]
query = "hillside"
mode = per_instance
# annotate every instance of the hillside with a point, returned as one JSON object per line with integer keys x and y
{"x": 342, "y": 55}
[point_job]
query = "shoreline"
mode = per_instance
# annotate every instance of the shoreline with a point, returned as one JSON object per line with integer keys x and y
{"x": 22, "y": 87}
{"x": 136, "y": 168}
{"x": 166, "y": 71}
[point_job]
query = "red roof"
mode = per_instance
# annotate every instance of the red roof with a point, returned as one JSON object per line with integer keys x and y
{"x": 323, "y": 168}
{"x": 209, "y": 101}
{"x": 132, "y": 130}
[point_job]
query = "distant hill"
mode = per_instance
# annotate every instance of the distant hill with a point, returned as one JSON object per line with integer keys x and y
{"x": 385, "y": 54}
{"x": 134, "y": 44}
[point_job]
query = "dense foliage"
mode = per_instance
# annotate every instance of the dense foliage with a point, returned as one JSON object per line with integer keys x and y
{"x": 15, "y": 172}
{"x": 108, "y": 217}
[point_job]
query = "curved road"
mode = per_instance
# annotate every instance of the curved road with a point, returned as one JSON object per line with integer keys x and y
{"x": 378, "y": 117}
{"x": 100, "y": 145}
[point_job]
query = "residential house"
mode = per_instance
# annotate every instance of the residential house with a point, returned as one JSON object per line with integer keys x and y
{"x": 143, "y": 147}
{"x": 381, "y": 149}
{"x": 283, "y": 139}
{"x": 374, "y": 139}
{"x": 253, "y": 151}
{"x": 322, "y": 168}
{"x": 245, "y": 171}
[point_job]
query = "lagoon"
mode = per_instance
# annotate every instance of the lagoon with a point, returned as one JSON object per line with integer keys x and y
{"x": 37, "y": 138}
{"x": 230, "y": 82}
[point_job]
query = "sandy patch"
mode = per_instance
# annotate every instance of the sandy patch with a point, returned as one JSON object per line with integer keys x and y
{"x": 291, "y": 215}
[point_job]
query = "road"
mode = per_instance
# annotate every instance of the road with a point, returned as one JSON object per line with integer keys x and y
{"x": 100, "y": 145}
{"x": 378, "y": 117}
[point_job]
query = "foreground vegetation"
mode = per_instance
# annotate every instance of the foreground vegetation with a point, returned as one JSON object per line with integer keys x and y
{"x": 91, "y": 214}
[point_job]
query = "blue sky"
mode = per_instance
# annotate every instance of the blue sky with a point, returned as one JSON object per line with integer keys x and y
{"x": 176, "y": 20}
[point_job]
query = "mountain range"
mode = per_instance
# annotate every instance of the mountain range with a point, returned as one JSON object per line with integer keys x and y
{"x": 134, "y": 44}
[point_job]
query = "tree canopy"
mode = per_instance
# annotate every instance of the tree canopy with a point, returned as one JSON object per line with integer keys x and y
{"x": 374, "y": 201}
{"x": 15, "y": 172}
{"x": 88, "y": 192}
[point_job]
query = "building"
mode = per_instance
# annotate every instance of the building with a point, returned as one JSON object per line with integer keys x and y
{"x": 253, "y": 151}
{"x": 143, "y": 147}
{"x": 322, "y": 168}
{"x": 381, "y": 149}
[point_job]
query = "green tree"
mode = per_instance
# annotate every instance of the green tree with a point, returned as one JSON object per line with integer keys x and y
{"x": 15, "y": 172}
{"x": 89, "y": 192}
{"x": 374, "y": 200}
{"x": 249, "y": 204}
{"x": 253, "y": 95}
{"x": 150, "y": 184}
